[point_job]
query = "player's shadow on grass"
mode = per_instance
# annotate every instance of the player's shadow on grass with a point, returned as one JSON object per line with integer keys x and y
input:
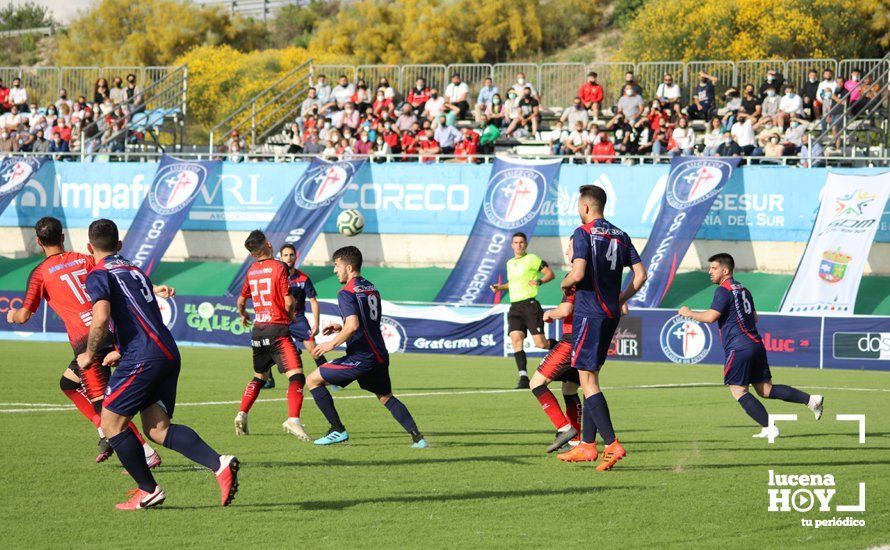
{"x": 335, "y": 462}
{"x": 741, "y": 465}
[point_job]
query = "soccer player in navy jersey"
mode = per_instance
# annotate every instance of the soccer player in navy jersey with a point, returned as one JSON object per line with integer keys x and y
{"x": 601, "y": 251}
{"x": 366, "y": 360}
{"x": 147, "y": 372}
{"x": 746, "y": 362}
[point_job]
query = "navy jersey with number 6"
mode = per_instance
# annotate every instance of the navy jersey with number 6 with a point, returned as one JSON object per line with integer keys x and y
{"x": 360, "y": 298}
{"x": 139, "y": 329}
{"x": 607, "y": 250}
{"x": 737, "y": 321}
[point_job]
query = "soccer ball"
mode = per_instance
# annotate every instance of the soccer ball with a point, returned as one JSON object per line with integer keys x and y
{"x": 350, "y": 223}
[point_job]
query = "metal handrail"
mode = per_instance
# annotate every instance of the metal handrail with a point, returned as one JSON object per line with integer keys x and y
{"x": 842, "y": 108}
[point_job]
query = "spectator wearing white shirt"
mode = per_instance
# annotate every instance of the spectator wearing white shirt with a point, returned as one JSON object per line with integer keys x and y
{"x": 340, "y": 94}
{"x": 743, "y": 134}
{"x": 684, "y": 139}
{"x": 434, "y": 105}
{"x": 578, "y": 141}
{"x": 117, "y": 93}
{"x": 456, "y": 94}
{"x": 558, "y": 137}
{"x": 791, "y": 105}
{"x": 668, "y": 94}
{"x": 18, "y": 95}
{"x": 11, "y": 120}
{"x": 388, "y": 91}
{"x": 521, "y": 84}
{"x": 714, "y": 137}
{"x": 792, "y": 139}
{"x": 576, "y": 113}
{"x": 323, "y": 88}
{"x": 827, "y": 88}
{"x": 484, "y": 97}
{"x": 63, "y": 100}
{"x": 769, "y": 109}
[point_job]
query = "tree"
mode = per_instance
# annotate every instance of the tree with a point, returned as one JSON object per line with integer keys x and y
{"x": 27, "y": 15}
{"x": 294, "y": 24}
{"x": 151, "y": 32}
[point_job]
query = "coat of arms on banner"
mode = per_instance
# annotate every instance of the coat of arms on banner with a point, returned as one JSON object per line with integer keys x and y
{"x": 833, "y": 266}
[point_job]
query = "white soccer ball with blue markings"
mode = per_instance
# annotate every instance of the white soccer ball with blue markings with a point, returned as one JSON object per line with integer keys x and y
{"x": 350, "y": 222}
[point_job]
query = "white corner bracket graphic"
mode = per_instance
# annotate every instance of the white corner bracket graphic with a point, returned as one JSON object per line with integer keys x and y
{"x": 771, "y": 423}
{"x": 854, "y": 508}
{"x": 855, "y": 418}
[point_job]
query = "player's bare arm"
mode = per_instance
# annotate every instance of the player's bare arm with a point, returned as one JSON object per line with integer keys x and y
{"x": 707, "y": 316}
{"x": 289, "y": 304}
{"x": 496, "y": 287}
{"x": 164, "y": 291}
{"x": 576, "y": 275}
{"x": 242, "y": 310}
{"x": 18, "y": 316}
{"x": 639, "y": 279}
{"x": 98, "y": 332}
{"x": 112, "y": 359}
{"x": 316, "y": 316}
{"x": 350, "y": 325}
{"x": 547, "y": 276}
{"x": 563, "y": 310}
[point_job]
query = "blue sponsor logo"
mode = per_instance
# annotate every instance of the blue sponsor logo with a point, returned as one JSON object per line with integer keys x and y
{"x": 515, "y": 197}
{"x": 176, "y": 186}
{"x": 685, "y": 341}
{"x": 695, "y": 181}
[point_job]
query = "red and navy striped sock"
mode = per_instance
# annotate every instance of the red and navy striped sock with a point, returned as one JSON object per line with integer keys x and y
{"x": 188, "y": 443}
{"x": 251, "y": 392}
{"x": 129, "y": 451}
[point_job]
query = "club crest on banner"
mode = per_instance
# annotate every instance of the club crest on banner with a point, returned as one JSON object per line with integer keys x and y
{"x": 685, "y": 341}
{"x": 833, "y": 266}
{"x": 16, "y": 174}
{"x": 515, "y": 197}
{"x": 695, "y": 181}
{"x": 177, "y": 186}
{"x": 322, "y": 185}
{"x": 168, "y": 311}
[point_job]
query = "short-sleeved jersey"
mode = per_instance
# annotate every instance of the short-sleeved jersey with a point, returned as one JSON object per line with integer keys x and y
{"x": 301, "y": 288}
{"x": 266, "y": 285}
{"x": 607, "y": 250}
{"x": 139, "y": 329}
{"x": 738, "y": 327}
{"x": 360, "y": 298}
{"x": 60, "y": 279}
{"x": 568, "y": 297}
{"x": 519, "y": 272}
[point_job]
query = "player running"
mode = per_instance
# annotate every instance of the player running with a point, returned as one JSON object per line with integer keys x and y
{"x": 145, "y": 379}
{"x": 267, "y": 286}
{"x": 746, "y": 361}
{"x": 366, "y": 359}
{"x": 557, "y": 365}
{"x": 60, "y": 280}
{"x": 525, "y": 274}
{"x": 601, "y": 251}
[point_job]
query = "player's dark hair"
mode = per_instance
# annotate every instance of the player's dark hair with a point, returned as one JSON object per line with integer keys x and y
{"x": 723, "y": 259}
{"x": 103, "y": 235}
{"x": 255, "y": 241}
{"x": 349, "y": 255}
{"x": 597, "y": 195}
{"x": 288, "y": 245}
{"x": 49, "y": 231}
{"x": 520, "y": 234}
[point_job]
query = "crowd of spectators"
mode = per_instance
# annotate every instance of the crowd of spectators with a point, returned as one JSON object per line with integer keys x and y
{"x": 63, "y": 126}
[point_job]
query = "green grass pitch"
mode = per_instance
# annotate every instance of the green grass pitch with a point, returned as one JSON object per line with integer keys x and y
{"x": 693, "y": 477}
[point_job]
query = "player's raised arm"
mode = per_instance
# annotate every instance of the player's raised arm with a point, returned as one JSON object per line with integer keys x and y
{"x": 350, "y": 325}
{"x": 706, "y": 316}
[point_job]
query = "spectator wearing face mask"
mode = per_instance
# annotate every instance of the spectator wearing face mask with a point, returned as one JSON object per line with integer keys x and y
{"x": 18, "y": 95}
{"x": 390, "y": 134}
{"x": 427, "y": 146}
{"x": 792, "y": 139}
{"x": 418, "y": 96}
{"x": 769, "y": 108}
{"x": 495, "y": 114}
{"x": 341, "y": 94}
{"x": 465, "y": 149}
{"x": 631, "y": 104}
{"x": 484, "y": 98}
{"x": 728, "y": 147}
{"x": 382, "y": 104}
{"x": 732, "y": 105}
{"x": 8, "y": 142}
{"x": 557, "y": 136}
{"x": 576, "y": 113}
{"x": 58, "y": 145}
{"x": 41, "y": 144}
{"x": 349, "y": 117}
{"x": 750, "y": 107}
{"x": 434, "y": 106}
{"x": 26, "y": 138}
{"x": 743, "y": 133}
{"x": 591, "y": 95}
{"x": 521, "y": 84}
{"x": 774, "y": 80}
{"x": 63, "y": 100}
{"x": 446, "y": 135}
{"x": 825, "y": 91}
{"x": 811, "y": 155}
{"x": 323, "y": 89}
{"x": 668, "y": 94}
{"x": 577, "y": 143}
{"x": 406, "y": 119}
{"x": 682, "y": 139}
{"x": 511, "y": 107}
{"x": 603, "y": 151}
{"x": 714, "y": 137}
{"x": 529, "y": 113}
{"x": 852, "y": 86}
{"x": 630, "y": 80}
{"x": 702, "y": 97}
{"x": 769, "y": 144}
{"x": 491, "y": 131}
{"x": 117, "y": 93}
{"x": 809, "y": 92}
{"x": 362, "y": 145}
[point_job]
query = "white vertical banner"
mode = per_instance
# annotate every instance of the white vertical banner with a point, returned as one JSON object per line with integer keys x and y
{"x": 828, "y": 277}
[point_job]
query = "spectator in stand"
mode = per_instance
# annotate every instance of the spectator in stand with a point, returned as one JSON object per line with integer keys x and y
{"x": 743, "y": 133}
{"x": 603, "y": 151}
{"x": 26, "y": 138}
{"x": 341, "y": 94}
{"x": 312, "y": 104}
{"x": 773, "y": 148}
{"x": 824, "y": 93}
{"x": 558, "y": 135}
{"x": 388, "y": 91}
{"x": 118, "y": 94}
{"x": 41, "y": 144}
{"x": 465, "y": 149}
{"x": 11, "y": 120}
{"x": 644, "y": 137}
{"x": 312, "y": 145}
{"x": 8, "y": 142}
{"x": 511, "y": 107}
{"x": 382, "y": 104}
{"x": 702, "y": 98}
{"x": 133, "y": 94}
{"x": 792, "y": 139}
{"x": 575, "y": 113}
{"x": 418, "y": 96}
{"x": 361, "y": 98}
{"x": 851, "y": 86}
{"x": 5, "y": 104}
{"x": 77, "y": 114}
{"x": 774, "y": 80}
{"x": 347, "y": 139}
{"x": 769, "y": 109}
{"x": 491, "y": 131}
{"x": 591, "y": 95}
{"x": 58, "y": 145}
{"x": 456, "y": 94}
{"x": 811, "y": 156}
{"x": 521, "y": 84}
{"x": 391, "y": 136}
{"x": 728, "y": 147}
{"x": 529, "y": 113}
{"x": 349, "y": 118}
{"x": 683, "y": 139}
{"x": 409, "y": 142}
{"x": 65, "y": 112}
{"x": 101, "y": 91}
{"x": 668, "y": 94}
{"x": 446, "y": 135}
{"x": 750, "y": 107}
{"x": 495, "y": 113}
{"x": 63, "y": 129}
{"x": 713, "y": 137}
{"x": 730, "y": 110}
{"x": 764, "y": 138}
{"x": 809, "y": 92}
{"x": 330, "y": 150}
{"x": 382, "y": 150}
{"x": 407, "y": 119}
{"x": 656, "y": 117}
{"x": 63, "y": 100}
{"x": 631, "y": 104}
{"x": 577, "y": 143}
{"x": 434, "y": 105}
{"x": 630, "y": 80}
{"x": 790, "y": 106}
{"x": 427, "y": 147}
{"x": 484, "y": 98}
{"x": 323, "y": 89}
{"x": 18, "y": 95}
{"x": 363, "y": 145}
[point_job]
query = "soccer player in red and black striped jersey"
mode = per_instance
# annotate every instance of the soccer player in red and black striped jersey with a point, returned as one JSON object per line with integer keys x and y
{"x": 267, "y": 286}
{"x": 60, "y": 279}
{"x": 557, "y": 365}
{"x": 746, "y": 361}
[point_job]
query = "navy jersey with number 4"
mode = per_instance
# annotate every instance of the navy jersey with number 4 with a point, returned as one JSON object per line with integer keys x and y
{"x": 607, "y": 250}
{"x": 360, "y": 298}
{"x": 139, "y": 329}
{"x": 737, "y": 321}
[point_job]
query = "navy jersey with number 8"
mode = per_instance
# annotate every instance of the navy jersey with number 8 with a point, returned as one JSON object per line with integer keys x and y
{"x": 360, "y": 298}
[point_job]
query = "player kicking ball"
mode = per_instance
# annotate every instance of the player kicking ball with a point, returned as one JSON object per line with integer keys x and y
{"x": 366, "y": 360}
{"x": 267, "y": 286}
{"x": 557, "y": 365}
{"x": 601, "y": 251}
{"x": 746, "y": 362}
{"x": 145, "y": 379}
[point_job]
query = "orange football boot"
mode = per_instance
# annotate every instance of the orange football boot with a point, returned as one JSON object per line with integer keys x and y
{"x": 611, "y": 454}
{"x": 583, "y": 452}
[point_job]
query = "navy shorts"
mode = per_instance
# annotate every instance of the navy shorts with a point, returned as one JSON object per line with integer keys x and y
{"x": 299, "y": 329}
{"x": 746, "y": 366}
{"x": 558, "y": 363}
{"x": 371, "y": 376}
{"x": 135, "y": 387}
{"x": 591, "y": 338}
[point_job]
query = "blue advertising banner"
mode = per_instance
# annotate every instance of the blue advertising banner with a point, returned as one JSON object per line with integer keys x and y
{"x": 15, "y": 173}
{"x": 513, "y": 202}
{"x": 759, "y": 203}
{"x": 691, "y": 188}
{"x": 175, "y": 187}
{"x": 301, "y": 216}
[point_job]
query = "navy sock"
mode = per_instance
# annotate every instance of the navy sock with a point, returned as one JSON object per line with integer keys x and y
{"x": 320, "y": 361}
{"x": 399, "y": 411}
{"x": 599, "y": 411}
{"x": 521, "y": 361}
{"x": 588, "y": 425}
{"x": 325, "y": 403}
{"x": 188, "y": 443}
{"x": 128, "y": 449}
{"x": 754, "y": 408}
{"x": 787, "y": 393}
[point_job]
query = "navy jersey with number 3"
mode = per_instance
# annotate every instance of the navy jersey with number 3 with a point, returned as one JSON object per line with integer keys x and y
{"x": 360, "y": 298}
{"x": 737, "y": 321}
{"x": 607, "y": 250}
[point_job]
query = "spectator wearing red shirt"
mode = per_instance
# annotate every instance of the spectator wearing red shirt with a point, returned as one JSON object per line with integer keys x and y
{"x": 427, "y": 146}
{"x": 391, "y": 137}
{"x": 382, "y": 103}
{"x": 603, "y": 151}
{"x": 410, "y": 141}
{"x": 419, "y": 95}
{"x": 63, "y": 129}
{"x": 465, "y": 150}
{"x": 5, "y": 104}
{"x": 591, "y": 94}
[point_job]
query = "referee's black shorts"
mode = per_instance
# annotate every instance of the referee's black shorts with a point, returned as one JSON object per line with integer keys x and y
{"x": 526, "y": 315}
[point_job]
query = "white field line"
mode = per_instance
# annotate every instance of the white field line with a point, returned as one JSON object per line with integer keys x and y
{"x": 51, "y": 407}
